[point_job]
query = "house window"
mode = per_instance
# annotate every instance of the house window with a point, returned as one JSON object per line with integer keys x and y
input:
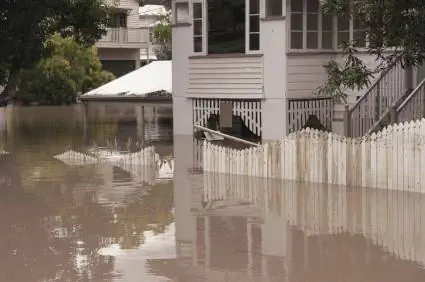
{"x": 359, "y": 33}
{"x": 226, "y": 26}
{"x": 273, "y": 8}
{"x": 312, "y": 18}
{"x": 343, "y": 30}
{"x": 312, "y": 30}
{"x": 327, "y": 32}
{"x": 182, "y": 12}
{"x": 254, "y": 25}
{"x": 297, "y": 24}
{"x": 197, "y": 28}
{"x": 119, "y": 19}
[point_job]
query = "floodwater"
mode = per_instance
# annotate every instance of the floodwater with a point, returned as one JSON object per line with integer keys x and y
{"x": 102, "y": 223}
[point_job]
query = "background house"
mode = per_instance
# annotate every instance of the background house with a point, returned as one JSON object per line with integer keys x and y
{"x": 149, "y": 16}
{"x": 119, "y": 49}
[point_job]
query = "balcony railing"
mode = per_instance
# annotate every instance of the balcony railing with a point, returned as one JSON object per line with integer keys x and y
{"x": 136, "y": 37}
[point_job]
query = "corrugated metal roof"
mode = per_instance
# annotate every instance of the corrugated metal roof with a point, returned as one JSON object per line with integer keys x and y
{"x": 155, "y": 77}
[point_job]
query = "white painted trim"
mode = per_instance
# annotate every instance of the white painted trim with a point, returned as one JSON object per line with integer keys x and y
{"x": 204, "y": 28}
{"x": 247, "y": 27}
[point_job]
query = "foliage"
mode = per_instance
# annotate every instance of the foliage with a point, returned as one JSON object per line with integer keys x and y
{"x": 57, "y": 79}
{"x": 395, "y": 31}
{"x": 25, "y": 27}
{"x": 352, "y": 74}
{"x": 162, "y": 38}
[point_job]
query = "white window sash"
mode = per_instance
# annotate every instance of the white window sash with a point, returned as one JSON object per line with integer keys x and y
{"x": 247, "y": 27}
{"x": 204, "y": 27}
{"x": 320, "y": 31}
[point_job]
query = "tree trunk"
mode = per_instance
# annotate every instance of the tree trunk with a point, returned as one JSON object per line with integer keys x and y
{"x": 10, "y": 90}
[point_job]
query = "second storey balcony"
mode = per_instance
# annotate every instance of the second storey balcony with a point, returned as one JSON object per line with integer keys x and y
{"x": 125, "y": 37}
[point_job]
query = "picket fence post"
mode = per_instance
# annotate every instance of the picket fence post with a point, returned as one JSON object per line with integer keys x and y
{"x": 422, "y": 157}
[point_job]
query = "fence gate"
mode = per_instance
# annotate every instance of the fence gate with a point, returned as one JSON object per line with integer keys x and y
{"x": 299, "y": 111}
{"x": 248, "y": 110}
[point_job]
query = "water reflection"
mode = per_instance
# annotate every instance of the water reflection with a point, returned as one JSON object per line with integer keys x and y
{"x": 101, "y": 223}
{"x": 84, "y": 223}
{"x": 251, "y": 229}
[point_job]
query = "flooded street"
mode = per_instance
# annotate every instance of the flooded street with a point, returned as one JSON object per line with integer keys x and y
{"x": 103, "y": 223}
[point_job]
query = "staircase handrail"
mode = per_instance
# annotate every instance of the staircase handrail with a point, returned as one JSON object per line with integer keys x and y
{"x": 384, "y": 92}
{"x": 417, "y": 107}
{"x": 374, "y": 84}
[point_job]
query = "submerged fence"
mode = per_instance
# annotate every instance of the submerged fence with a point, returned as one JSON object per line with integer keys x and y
{"x": 391, "y": 159}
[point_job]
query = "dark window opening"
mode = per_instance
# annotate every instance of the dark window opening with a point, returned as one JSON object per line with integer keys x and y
{"x": 254, "y": 25}
{"x": 274, "y": 8}
{"x": 119, "y": 19}
{"x": 197, "y": 27}
{"x": 226, "y": 26}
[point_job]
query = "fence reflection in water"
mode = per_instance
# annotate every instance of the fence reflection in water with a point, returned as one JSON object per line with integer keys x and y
{"x": 393, "y": 220}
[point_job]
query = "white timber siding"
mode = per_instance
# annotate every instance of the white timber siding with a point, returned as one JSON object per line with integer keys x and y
{"x": 131, "y": 37}
{"x": 231, "y": 78}
{"x": 249, "y": 111}
{"x": 306, "y": 73}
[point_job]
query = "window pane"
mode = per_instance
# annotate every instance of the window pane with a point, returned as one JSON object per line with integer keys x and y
{"x": 197, "y": 44}
{"x": 273, "y": 7}
{"x": 312, "y": 21}
{"x": 358, "y": 24}
{"x": 312, "y": 5}
{"x": 197, "y": 27}
{"x": 254, "y": 42}
{"x": 296, "y": 6}
{"x": 343, "y": 23}
{"x": 226, "y": 26}
{"x": 254, "y": 7}
{"x": 327, "y": 40}
{"x": 360, "y": 38}
{"x": 327, "y": 22}
{"x": 254, "y": 24}
{"x": 296, "y": 22}
{"x": 182, "y": 12}
{"x": 197, "y": 11}
{"x": 312, "y": 40}
{"x": 296, "y": 40}
{"x": 343, "y": 36}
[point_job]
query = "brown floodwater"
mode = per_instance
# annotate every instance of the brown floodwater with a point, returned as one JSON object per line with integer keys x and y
{"x": 103, "y": 223}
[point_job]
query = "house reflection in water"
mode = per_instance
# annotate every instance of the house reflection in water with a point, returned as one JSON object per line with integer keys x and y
{"x": 247, "y": 229}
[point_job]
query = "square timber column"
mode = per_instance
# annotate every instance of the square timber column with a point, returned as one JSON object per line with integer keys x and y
{"x": 274, "y": 119}
{"x": 140, "y": 118}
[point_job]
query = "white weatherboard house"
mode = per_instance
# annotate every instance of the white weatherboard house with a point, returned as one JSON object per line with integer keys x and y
{"x": 149, "y": 17}
{"x": 119, "y": 49}
{"x": 265, "y": 58}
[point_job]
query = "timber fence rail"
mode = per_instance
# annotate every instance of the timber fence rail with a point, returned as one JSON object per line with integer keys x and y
{"x": 394, "y": 158}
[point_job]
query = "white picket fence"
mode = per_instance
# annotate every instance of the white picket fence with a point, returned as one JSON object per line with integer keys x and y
{"x": 145, "y": 165}
{"x": 392, "y": 159}
{"x": 393, "y": 220}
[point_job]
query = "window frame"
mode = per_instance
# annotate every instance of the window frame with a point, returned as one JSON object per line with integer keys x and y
{"x": 320, "y": 48}
{"x": 203, "y": 36}
{"x": 204, "y": 4}
{"x": 248, "y": 27}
